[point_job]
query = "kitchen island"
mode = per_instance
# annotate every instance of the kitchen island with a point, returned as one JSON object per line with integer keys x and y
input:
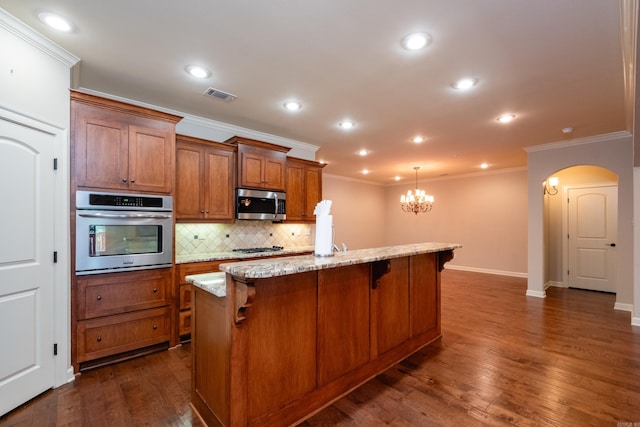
{"x": 276, "y": 340}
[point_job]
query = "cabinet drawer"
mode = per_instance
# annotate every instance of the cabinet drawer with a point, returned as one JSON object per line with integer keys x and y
{"x": 185, "y": 297}
{"x": 122, "y": 292}
{"x": 123, "y": 332}
{"x": 199, "y": 268}
{"x": 185, "y": 322}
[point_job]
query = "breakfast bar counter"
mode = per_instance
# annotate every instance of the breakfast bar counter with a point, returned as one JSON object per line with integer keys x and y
{"x": 276, "y": 340}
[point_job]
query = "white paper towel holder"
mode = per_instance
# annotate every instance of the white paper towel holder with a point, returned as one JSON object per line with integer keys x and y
{"x": 323, "y": 255}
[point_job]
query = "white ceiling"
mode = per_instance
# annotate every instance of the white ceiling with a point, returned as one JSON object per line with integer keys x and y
{"x": 553, "y": 63}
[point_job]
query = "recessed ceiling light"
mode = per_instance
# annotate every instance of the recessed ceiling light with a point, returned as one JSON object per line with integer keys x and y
{"x": 484, "y": 165}
{"x": 292, "y": 105}
{"x": 416, "y": 41}
{"x": 363, "y": 152}
{"x": 365, "y": 171}
{"x": 56, "y": 21}
{"x": 567, "y": 130}
{"x": 464, "y": 84}
{"x": 417, "y": 139}
{"x": 346, "y": 124}
{"x": 397, "y": 178}
{"x": 506, "y": 118}
{"x": 197, "y": 71}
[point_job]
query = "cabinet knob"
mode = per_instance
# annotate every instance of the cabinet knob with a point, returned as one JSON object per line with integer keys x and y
{"x": 155, "y": 290}
{"x": 99, "y": 339}
{"x": 206, "y": 211}
{"x": 124, "y": 179}
{"x": 155, "y": 327}
{"x": 132, "y": 180}
{"x": 202, "y": 211}
{"x": 99, "y": 297}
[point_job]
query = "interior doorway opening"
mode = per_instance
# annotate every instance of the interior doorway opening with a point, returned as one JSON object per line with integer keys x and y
{"x": 560, "y": 253}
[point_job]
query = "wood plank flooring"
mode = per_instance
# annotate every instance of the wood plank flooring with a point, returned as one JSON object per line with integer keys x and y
{"x": 504, "y": 359}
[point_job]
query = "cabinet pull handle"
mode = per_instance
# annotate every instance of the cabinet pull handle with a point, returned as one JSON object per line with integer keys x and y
{"x": 99, "y": 339}
{"x": 155, "y": 290}
{"x": 99, "y": 297}
{"x": 155, "y": 327}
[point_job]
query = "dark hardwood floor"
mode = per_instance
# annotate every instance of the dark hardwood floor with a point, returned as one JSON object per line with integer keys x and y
{"x": 504, "y": 359}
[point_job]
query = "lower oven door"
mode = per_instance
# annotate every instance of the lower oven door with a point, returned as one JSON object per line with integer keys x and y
{"x": 109, "y": 241}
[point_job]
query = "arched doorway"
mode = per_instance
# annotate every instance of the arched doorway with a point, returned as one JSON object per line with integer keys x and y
{"x": 579, "y": 261}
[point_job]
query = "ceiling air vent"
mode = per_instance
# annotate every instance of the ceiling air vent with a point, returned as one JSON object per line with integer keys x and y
{"x": 218, "y": 94}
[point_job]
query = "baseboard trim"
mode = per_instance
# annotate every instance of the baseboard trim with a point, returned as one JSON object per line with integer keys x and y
{"x": 487, "y": 271}
{"x": 555, "y": 284}
{"x": 623, "y": 307}
{"x": 635, "y": 321}
{"x": 537, "y": 294}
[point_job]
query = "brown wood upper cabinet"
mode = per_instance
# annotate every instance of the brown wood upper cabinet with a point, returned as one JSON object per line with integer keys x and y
{"x": 304, "y": 189}
{"x": 118, "y": 146}
{"x": 260, "y": 164}
{"x": 205, "y": 173}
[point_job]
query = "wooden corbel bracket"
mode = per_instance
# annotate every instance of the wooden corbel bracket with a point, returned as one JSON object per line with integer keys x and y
{"x": 443, "y": 258}
{"x": 245, "y": 293}
{"x": 379, "y": 269}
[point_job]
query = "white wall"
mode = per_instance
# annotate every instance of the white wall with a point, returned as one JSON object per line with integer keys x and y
{"x": 613, "y": 152}
{"x": 358, "y": 209}
{"x": 486, "y": 213}
{"x": 34, "y": 82}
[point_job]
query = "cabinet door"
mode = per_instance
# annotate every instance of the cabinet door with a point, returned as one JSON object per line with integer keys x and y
{"x": 282, "y": 337}
{"x": 110, "y": 335}
{"x": 343, "y": 320}
{"x": 101, "y": 153}
{"x": 295, "y": 192}
{"x": 218, "y": 194}
{"x": 424, "y": 294}
{"x": 313, "y": 191}
{"x": 251, "y": 169}
{"x": 274, "y": 164}
{"x": 189, "y": 182}
{"x": 106, "y": 294}
{"x": 390, "y": 308}
{"x": 151, "y": 159}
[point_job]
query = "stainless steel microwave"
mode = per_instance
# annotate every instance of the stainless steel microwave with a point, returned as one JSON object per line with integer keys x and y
{"x": 122, "y": 232}
{"x": 260, "y": 204}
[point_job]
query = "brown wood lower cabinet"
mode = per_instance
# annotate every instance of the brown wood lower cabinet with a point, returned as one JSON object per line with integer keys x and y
{"x": 121, "y": 312}
{"x": 185, "y": 293}
{"x": 275, "y": 350}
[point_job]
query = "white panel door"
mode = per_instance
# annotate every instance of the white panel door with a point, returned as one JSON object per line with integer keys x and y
{"x": 592, "y": 236}
{"x": 26, "y": 263}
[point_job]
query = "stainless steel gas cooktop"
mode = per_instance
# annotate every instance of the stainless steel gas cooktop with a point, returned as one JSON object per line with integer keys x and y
{"x": 255, "y": 250}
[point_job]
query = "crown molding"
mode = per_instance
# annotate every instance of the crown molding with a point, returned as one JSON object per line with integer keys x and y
{"x": 29, "y": 35}
{"x": 579, "y": 141}
{"x": 214, "y": 125}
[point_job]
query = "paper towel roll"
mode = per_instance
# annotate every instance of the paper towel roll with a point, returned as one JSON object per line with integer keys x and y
{"x": 324, "y": 235}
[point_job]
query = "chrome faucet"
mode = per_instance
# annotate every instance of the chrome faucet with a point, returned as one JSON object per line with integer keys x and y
{"x": 335, "y": 248}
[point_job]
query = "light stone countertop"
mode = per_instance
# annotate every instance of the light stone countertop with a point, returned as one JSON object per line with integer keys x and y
{"x": 214, "y": 283}
{"x": 219, "y": 256}
{"x": 298, "y": 264}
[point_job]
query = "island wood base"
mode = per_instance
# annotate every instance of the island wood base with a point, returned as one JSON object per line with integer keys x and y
{"x": 276, "y": 350}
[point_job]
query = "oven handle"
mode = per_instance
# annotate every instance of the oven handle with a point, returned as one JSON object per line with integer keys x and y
{"x": 125, "y": 216}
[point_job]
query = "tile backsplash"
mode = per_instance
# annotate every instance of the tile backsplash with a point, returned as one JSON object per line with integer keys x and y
{"x": 205, "y": 238}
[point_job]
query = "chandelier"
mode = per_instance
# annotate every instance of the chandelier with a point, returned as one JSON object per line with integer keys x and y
{"x": 416, "y": 202}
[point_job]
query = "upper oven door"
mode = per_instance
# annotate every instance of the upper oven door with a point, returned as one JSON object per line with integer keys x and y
{"x": 122, "y": 240}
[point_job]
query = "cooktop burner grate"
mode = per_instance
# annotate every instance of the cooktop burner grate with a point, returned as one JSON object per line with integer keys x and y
{"x": 254, "y": 250}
